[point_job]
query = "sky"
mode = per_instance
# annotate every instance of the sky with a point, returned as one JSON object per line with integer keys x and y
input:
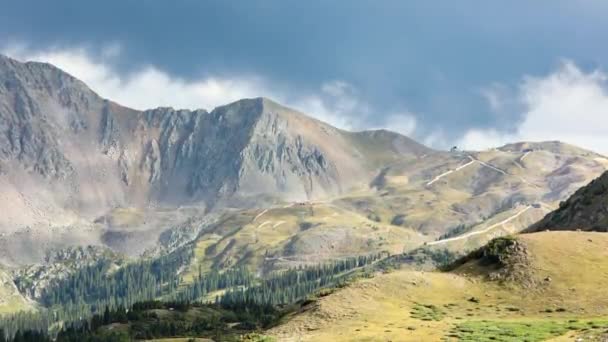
{"x": 474, "y": 74}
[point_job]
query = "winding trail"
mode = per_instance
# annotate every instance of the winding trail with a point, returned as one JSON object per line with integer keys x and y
{"x": 263, "y": 224}
{"x": 490, "y": 166}
{"x": 260, "y": 214}
{"x": 450, "y": 171}
{"x": 547, "y": 207}
{"x": 314, "y": 257}
{"x": 518, "y": 164}
{"x": 505, "y": 172}
{"x": 478, "y": 232}
{"x": 473, "y": 160}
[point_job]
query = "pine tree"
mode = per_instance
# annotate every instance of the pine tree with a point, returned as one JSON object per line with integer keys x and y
{"x": 106, "y": 316}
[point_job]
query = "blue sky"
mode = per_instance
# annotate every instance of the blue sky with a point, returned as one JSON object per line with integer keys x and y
{"x": 472, "y": 73}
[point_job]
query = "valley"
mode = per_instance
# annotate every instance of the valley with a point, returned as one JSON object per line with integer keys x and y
{"x": 256, "y": 206}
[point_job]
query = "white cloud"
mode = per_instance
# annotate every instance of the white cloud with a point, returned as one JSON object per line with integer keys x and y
{"x": 404, "y": 123}
{"x": 569, "y": 105}
{"x": 495, "y": 95}
{"x": 437, "y": 138}
{"x": 340, "y": 104}
{"x": 477, "y": 139}
{"x": 146, "y": 88}
{"x": 336, "y": 102}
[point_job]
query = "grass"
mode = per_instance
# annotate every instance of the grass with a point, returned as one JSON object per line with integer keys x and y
{"x": 359, "y": 221}
{"x": 307, "y": 233}
{"x": 527, "y": 330}
{"x": 182, "y": 339}
{"x": 11, "y": 300}
{"x": 255, "y": 337}
{"x": 431, "y": 306}
{"x": 427, "y": 312}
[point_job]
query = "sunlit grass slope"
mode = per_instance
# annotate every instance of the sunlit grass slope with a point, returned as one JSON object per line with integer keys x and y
{"x": 557, "y": 290}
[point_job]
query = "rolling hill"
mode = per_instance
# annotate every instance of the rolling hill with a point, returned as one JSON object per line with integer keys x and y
{"x": 455, "y": 201}
{"x": 533, "y": 287}
{"x": 251, "y": 184}
{"x": 544, "y": 284}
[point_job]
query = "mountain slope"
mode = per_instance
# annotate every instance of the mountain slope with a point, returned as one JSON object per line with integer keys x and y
{"x": 249, "y": 183}
{"x": 475, "y": 302}
{"x": 68, "y": 157}
{"x": 11, "y": 300}
{"x": 586, "y": 209}
{"x": 486, "y": 195}
{"x": 442, "y": 191}
{"x": 55, "y": 127}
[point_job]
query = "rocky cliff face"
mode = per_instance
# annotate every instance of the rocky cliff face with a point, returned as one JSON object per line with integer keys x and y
{"x": 586, "y": 210}
{"x": 77, "y": 169}
{"x": 67, "y": 156}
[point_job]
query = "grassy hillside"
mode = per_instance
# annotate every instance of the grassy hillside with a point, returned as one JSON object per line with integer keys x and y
{"x": 534, "y": 287}
{"x": 471, "y": 196}
{"x": 292, "y": 235}
{"x": 10, "y": 298}
{"x": 438, "y": 192}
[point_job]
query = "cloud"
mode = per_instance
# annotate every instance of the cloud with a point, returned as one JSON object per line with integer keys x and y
{"x": 496, "y": 95}
{"x": 403, "y": 122}
{"x": 477, "y": 139}
{"x": 437, "y": 138}
{"x": 145, "y": 88}
{"x": 336, "y": 102}
{"x": 569, "y": 105}
{"x": 340, "y": 103}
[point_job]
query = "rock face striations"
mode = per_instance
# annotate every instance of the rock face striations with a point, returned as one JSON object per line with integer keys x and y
{"x": 586, "y": 210}
{"x": 254, "y": 181}
{"x": 68, "y": 156}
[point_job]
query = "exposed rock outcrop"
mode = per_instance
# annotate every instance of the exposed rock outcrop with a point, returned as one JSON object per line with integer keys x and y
{"x": 586, "y": 210}
{"x": 68, "y": 155}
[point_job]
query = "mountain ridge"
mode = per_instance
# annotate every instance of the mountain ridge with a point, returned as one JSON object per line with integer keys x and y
{"x": 68, "y": 156}
{"x": 585, "y": 210}
{"x": 82, "y": 170}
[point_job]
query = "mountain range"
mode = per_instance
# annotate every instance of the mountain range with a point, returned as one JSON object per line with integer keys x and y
{"x": 107, "y": 205}
{"x": 248, "y": 178}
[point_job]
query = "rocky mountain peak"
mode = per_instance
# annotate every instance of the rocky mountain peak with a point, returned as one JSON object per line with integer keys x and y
{"x": 77, "y": 169}
{"x": 85, "y": 154}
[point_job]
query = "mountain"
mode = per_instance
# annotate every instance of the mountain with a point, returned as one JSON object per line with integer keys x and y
{"x": 251, "y": 183}
{"x": 56, "y": 128}
{"x": 11, "y": 300}
{"x": 107, "y": 205}
{"x": 532, "y": 287}
{"x": 586, "y": 209}
{"x": 69, "y": 157}
{"x": 544, "y": 284}
{"x": 462, "y": 199}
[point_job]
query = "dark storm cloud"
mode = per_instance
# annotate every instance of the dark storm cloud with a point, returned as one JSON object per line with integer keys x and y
{"x": 432, "y": 58}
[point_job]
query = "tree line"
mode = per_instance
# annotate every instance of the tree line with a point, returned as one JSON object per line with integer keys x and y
{"x": 295, "y": 284}
{"x": 97, "y": 294}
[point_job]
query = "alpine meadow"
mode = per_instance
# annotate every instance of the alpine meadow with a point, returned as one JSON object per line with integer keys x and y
{"x": 314, "y": 171}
